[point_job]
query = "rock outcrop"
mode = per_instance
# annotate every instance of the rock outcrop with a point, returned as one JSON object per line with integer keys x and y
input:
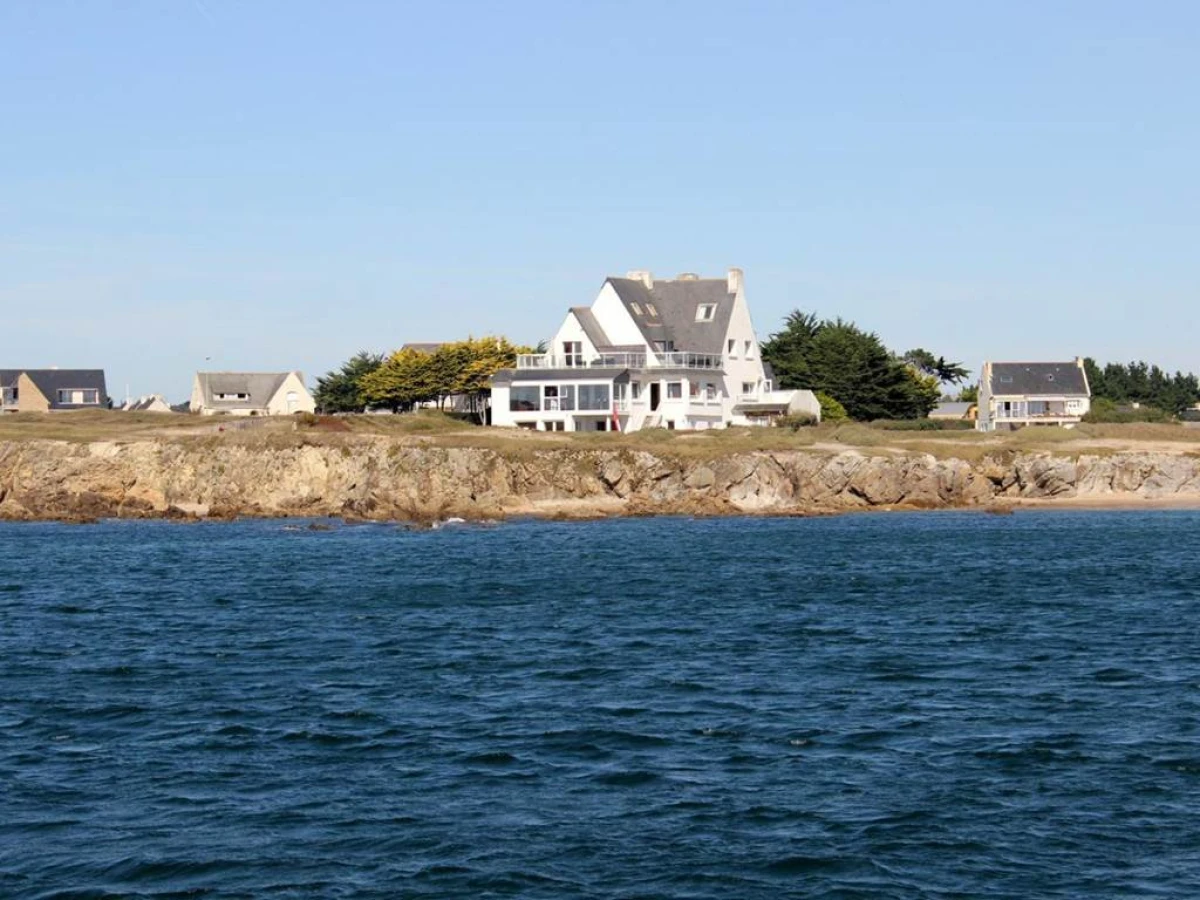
{"x": 382, "y": 479}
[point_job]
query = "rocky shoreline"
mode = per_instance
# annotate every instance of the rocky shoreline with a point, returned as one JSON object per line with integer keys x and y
{"x": 385, "y": 480}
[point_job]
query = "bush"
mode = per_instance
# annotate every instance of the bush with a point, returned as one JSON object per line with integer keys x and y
{"x": 796, "y": 422}
{"x": 831, "y": 410}
{"x": 1106, "y": 411}
{"x": 923, "y": 424}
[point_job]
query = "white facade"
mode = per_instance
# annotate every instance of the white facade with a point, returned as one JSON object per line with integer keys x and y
{"x": 678, "y": 354}
{"x": 1018, "y": 395}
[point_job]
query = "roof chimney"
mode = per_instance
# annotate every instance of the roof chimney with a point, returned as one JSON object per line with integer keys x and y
{"x": 735, "y": 280}
{"x": 688, "y": 276}
{"x": 645, "y": 278}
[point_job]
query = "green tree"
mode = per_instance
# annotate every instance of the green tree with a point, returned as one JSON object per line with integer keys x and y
{"x": 340, "y": 390}
{"x": 926, "y": 362}
{"x": 405, "y": 379}
{"x": 840, "y": 359}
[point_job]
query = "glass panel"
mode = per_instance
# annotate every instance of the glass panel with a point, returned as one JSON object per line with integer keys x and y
{"x": 523, "y": 399}
{"x": 594, "y": 396}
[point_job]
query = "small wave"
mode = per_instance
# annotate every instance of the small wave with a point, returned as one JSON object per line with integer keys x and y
{"x": 798, "y": 865}
{"x": 632, "y": 778}
{"x": 492, "y": 758}
{"x": 11, "y": 588}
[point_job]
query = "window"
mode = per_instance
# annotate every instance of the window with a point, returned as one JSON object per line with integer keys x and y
{"x": 705, "y": 312}
{"x": 1006, "y": 379}
{"x": 710, "y": 391}
{"x": 593, "y": 396}
{"x": 635, "y": 389}
{"x": 523, "y": 399}
{"x": 674, "y": 390}
{"x": 746, "y": 352}
{"x": 694, "y": 390}
{"x": 553, "y": 426}
{"x": 651, "y": 310}
{"x": 573, "y": 353}
{"x": 767, "y": 387}
{"x": 637, "y": 310}
{"x": 731, "y": 348}
{"x": 566, "y": 397}
{"x": 670, "y": 424}
{"x": 79, "y": 396}
{"x": 664, "y": 346}
{"x": 747, "y": 388}
{"x": 550, "y": 398}
{"x": 230, "y": 395}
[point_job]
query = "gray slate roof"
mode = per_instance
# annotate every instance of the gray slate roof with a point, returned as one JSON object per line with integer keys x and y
{"x": 953, "y": 409}
{"x": 1029, "y": 379}
{"x": 261, "y": 386}
{"x": 591, "y": 327}
{"x": 51, "y": 381}
{"x": 423, "y": 346}
{"x": 676, "y": 302}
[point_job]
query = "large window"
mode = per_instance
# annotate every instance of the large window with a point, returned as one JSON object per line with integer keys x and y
{"x": 573, "y": 353}
{"x": 523, "y": 399}
{"x": 79, "y": 396}
{"x": 559, "y": 397}
{"x": 594, "y": 396}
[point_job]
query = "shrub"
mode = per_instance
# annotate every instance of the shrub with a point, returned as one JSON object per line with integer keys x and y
{"x": 1106, "y": 411}
{"x": 923, "y": 424}
{"x": 797, "y": 421}
{"x": 831, "y": 410}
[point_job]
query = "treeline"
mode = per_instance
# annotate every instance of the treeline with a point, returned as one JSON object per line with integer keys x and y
{"x": 1141, "y": 383}
{"x": 853, "y": 373}
{"x": 411, "y": 377}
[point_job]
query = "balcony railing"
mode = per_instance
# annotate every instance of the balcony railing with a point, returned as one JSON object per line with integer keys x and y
{"x": 1059, "y": 413}
{"x": 667, "y": 360}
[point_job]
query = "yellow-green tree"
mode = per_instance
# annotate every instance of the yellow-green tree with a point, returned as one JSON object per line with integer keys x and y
{"x": 461, "y": 368}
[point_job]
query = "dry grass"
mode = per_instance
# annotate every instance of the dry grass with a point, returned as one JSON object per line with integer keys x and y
{"x": 436, "y": 429}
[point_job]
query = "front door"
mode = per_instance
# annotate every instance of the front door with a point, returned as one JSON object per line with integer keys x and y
{"x": 655, "y": 395}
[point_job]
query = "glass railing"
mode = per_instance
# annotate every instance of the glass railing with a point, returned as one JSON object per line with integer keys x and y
{"x": 674, "y": 359}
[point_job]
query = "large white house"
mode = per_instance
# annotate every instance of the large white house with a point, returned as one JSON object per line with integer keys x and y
{"x": 250, "y": 394}
{"x": 678, "y": 353}
{"x": 1016, "y": 394}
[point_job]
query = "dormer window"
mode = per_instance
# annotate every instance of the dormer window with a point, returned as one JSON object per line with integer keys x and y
{"x": 1006, "y": 379}
{"x": 705, "y": 312}
{"x": 637, "y": 310}
{"x": 1050, "y": 377}
{"x": 651, "y": 310}
{"x": 230, "y": 395}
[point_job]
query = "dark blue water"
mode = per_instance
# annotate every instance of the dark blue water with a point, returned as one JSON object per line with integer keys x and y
{"x": 932, "y": 705}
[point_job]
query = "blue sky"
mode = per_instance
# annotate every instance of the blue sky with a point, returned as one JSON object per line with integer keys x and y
{"x": 279, "y": 184}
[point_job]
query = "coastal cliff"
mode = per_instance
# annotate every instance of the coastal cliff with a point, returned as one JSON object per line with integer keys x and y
{"x": 386, "y": 480}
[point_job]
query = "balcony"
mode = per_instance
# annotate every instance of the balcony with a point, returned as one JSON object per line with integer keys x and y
{"x": 712, "y": 362}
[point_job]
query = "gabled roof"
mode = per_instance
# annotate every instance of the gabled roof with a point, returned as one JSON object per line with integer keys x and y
{"x": 591, "y": 327}
{"x": 261, "y": 387}
{"x": 1030, "y": 379}
{"x": 667, "y": 312}
{"x": 142, "y": 404}
{"x": 51, "y": 381}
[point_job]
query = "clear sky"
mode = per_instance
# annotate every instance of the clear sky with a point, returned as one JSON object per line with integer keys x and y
{"x": 269, "y": 185}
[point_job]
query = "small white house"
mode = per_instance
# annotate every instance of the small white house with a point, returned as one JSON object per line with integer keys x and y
{"x": 250, "y": 394}
{"x": 147, "y": 403}
{"x": 1016, "y": 394}
{"x": 678, "y": 353}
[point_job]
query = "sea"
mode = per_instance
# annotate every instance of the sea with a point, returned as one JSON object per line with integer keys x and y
{"x": 886, "y": 705}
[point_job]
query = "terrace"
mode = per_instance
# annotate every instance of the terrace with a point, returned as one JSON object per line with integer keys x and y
{"x": 712, "y": 362}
